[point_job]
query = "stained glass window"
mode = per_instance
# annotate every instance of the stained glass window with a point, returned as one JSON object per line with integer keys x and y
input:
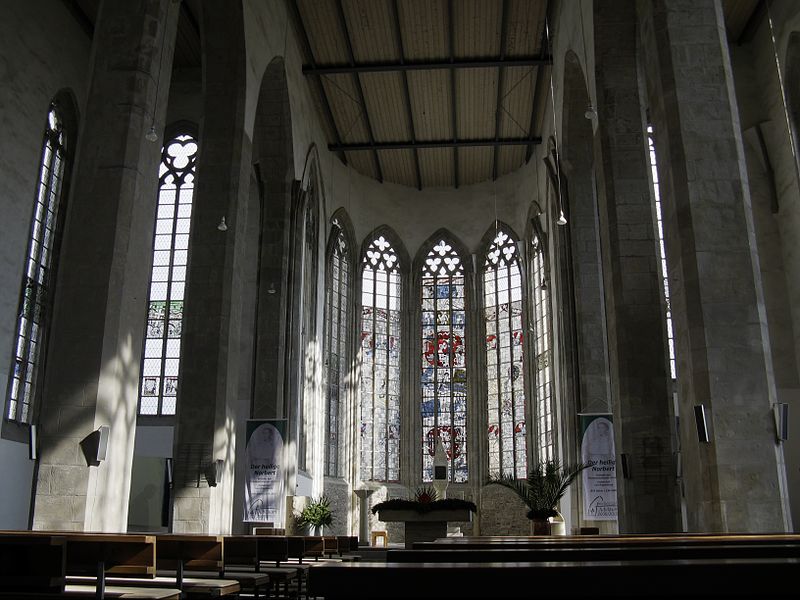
{"x": 502, "y": 297}
{"x": 380, "y": 363}
{"x": 444, "y": 366}
{"x": 337, "y": 317}
{"x": 662, "y": 250}
{"x": 36, "y": 296}
{"x": 162, "y": 346}
{"x": 543, "y": 353}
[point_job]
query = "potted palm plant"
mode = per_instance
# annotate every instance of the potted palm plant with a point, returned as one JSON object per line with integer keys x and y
{"x": 316, "y": 514}
{"x": 545, "y": 485}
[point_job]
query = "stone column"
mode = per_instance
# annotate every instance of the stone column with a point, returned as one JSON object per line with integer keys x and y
{"x": 640, "y": 380}
{"x": 736, "y": 481}
{"x": 209, "y": 404}
{"x": 92, "y": 377}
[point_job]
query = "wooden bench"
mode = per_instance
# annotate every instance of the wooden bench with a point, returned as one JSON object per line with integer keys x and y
{"x": 247, "y": 553}
{"x": 91, "y": 555}
{"x": 630, "y": 541}
{"x": 732, "y": 578}
{"x": 32, "y": 564}
{"x": 621, "y": 553}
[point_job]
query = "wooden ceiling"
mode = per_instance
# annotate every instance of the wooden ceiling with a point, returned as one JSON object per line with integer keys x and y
{"x": 427, "y": 93}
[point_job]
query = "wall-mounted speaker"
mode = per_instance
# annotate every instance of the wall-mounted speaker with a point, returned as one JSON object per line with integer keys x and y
{"x": 701, "y": 423}
{"x": 102, "y": 442}
{"x": 626, "y": 473}
{"x": 214, "y": 471}
{"x": 781, "y": 411}
{"x": 33, "y": 449}
{"x": 95, "y": 446}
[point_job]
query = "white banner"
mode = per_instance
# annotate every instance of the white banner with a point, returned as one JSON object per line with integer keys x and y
{"x": 264, "y": 496}
{"x": 600, "y": 479}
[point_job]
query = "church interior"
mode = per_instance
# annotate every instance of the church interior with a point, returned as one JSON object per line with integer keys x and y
{"x": 261, "y": 253}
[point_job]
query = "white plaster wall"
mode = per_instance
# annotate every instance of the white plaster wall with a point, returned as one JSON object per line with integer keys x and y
{"x": 42, "y": 51}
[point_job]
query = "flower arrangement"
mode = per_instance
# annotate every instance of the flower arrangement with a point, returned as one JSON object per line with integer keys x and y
{"x": 316, "y": 513}
{"x": 425, "y": 500}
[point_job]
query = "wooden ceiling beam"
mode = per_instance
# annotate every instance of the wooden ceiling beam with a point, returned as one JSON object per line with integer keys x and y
{"x": 500, "y": 74}
{"x": 428, "y": 144}
{"x": 359, "y": 88}
{"x": 326, "y": 107}
{"x": 406, "y": 94}
{"x": 383, "y": 67}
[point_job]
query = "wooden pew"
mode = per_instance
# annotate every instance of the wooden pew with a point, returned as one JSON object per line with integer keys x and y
{"x": 32, "y": 564}
{"x": 674, "y": 579}
{"x": 94, "y": 556}
{"x": 593, "y": 541}
{"x": 246, "y": 553}
{"x": 620, "y": 553}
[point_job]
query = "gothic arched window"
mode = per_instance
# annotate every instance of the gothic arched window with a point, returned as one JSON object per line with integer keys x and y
{"x": 543, "y": 354}
{"x": 308, "y": 368}
{"x": 36, "y": 297}
{"x": 502, "y": 298}
{"x": 444, "y": 365}
{"x": 662, "y": 251}
{"x": 162, "y": 346}
{"x": 337, "y": 321}
{"x": 380, "y": 363}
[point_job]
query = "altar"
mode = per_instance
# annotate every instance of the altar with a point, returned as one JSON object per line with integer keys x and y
{"x": 424, "y": 526}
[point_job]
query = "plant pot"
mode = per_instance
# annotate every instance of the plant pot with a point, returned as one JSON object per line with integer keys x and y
{"x": 316, "y": 530}
{"x": 541, "y": 527}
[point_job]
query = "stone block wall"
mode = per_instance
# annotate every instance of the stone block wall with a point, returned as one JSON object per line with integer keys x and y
{"x": 501, "y": 512}
{"x": 339, "y": 494}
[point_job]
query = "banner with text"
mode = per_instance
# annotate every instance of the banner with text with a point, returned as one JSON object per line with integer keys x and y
{"x": 600, "y": 479}
{"x": 264, "y": 497}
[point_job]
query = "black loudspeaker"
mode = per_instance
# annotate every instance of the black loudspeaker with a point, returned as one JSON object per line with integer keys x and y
{"x": 782, "y": 421}
{"x": 701, "y": 423}
{"x": 626, "y": 474}
{"x": 33, "y": 450}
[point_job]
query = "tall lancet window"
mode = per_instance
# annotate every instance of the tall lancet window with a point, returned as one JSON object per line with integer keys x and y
{"x": 651, "y": 144}
{"x": 543, "y": 354}
{"x": 308, "y": 370}
{"x": 36, "y": 297}
{"x": 380, "y": 363}
{"x": 337, "y": 319}
{"x": 162, "y": 346}
{"x": 444, "y": 365}
{"x": 502, "y": 298}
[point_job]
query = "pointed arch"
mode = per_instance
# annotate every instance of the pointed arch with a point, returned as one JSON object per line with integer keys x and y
{"x": 273, "y": 164}
{"x": 309, "y": 206}
{"x": 403, "y": 261}
{"x": 442, "y": 264}
{"x": 504, "y": 327}
{"x": 383, "y": 265}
